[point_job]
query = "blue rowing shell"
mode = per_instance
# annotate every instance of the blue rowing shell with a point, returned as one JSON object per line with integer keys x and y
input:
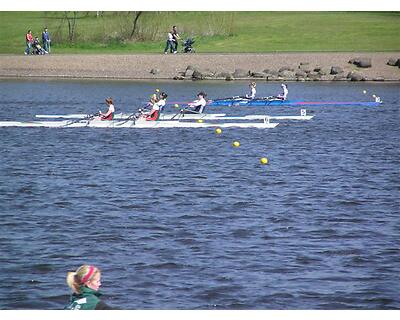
{"x": 290, "y": 103}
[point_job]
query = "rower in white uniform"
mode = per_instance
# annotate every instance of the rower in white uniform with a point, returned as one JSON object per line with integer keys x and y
{"x": 284, "y": 94}
{"x": 253, "y": 91}
{"x": 197, "y": 106}
{"x": 109, "y": 115}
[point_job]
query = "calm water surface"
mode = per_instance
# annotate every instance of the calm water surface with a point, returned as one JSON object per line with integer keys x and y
{"x": 179, "y": 219}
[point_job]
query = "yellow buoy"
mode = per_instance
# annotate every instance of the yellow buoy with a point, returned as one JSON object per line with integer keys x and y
{"x": 176, "y": 105}
{"x": 218, "y": 131}
{"x": 200, "y": 120}
{"x": 264, "y": 160}
{"x": 365, "y": 91}
{"x": 157, "y": 90}
{"x": 236, "y": 144}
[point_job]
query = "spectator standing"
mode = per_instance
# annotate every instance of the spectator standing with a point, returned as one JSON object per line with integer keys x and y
{"x": 29, "y": 42}
{"x": 46, "y": 40}
{"x": 170, "y": 43}
{"x": 176, "y": 38}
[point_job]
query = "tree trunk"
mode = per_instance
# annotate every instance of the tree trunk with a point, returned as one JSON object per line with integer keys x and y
{"x": 138, "y": 14}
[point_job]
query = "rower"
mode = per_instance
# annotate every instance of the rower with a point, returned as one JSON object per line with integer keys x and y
{"x": 154, "y": 114}
{"x": 253, "y": 91}
{"x": 109, "y": 115}
{"x": 283, "y": 95}
{"x": 153, "y": 99}
{"x": 197, "y": 106}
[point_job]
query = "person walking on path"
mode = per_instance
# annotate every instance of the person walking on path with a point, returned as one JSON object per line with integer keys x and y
{"x": 46, "y": 40}
{"x": 29, "y": 42}
{"x": 85, "y": 283}
{"x": 170, "y": 43}
{"x": 176, "y": 38}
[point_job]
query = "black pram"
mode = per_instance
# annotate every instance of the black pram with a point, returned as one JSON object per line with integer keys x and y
{"x": 188, "y": 46}
{"x": 37, "y": 48}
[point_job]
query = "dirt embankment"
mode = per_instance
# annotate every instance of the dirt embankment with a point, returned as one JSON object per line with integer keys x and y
{"x": 271, "y": 66}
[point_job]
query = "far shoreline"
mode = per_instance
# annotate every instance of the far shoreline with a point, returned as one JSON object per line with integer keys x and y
{"x": 282, "y": 66}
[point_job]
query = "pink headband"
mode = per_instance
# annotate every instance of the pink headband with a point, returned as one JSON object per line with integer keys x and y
{"x": 88, "y": 275}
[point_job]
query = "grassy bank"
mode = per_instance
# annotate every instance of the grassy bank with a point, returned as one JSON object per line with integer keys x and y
{"x": 214, "y": 32}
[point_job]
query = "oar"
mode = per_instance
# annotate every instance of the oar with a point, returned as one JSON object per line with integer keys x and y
{"x": 132, "y": 116}
{"x": 179, "y": 113}
{"x": 89, "y": 117}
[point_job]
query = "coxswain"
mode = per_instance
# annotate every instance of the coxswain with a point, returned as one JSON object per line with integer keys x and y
{"x": 109, "y": 115}
{"x": 155, "y": 111}
{"x": 283, "y": 95}
{"x": 197, "y": 106}
{"x": 85, "y": 283}
{"x": 253, "y": 91}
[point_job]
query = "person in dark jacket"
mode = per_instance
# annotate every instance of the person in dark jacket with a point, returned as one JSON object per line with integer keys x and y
{"x": 85, "y": 283}
{"x": 176, "y": 37}
{"x": 46, "y": 40}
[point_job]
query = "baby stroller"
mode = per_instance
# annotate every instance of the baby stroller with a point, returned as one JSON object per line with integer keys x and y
{"x": 37, "y": 48}
{"x": 188, "y": 46}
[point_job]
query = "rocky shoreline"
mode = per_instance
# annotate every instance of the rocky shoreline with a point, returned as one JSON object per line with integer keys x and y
{"x": 329, "y": 66}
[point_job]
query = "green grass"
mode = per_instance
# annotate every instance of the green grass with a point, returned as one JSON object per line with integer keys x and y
{"x": 214, "y": 32}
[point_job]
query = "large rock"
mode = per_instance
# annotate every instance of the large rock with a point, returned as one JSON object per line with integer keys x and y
{"x": 365, "y": 63}
{"x": 339, "y": 77}
{"x": 287, "y": 75}
{"x": 271, "y": 72}
{"x": 258, "y": 75}
{"x": 354, "y": 60}
{"x": 197, "y": 75}
{"x": 189, "y": 73}
{"x": 207, "y": 73}
{"x": 306, "y": 68}
{"x": 355, "y": 76}
{"x": 393, "y": 62}
{"x": 300, "y": 73}
{"x": 336, "y": 70}
{"x": 314, "y": 76}
{"x": 223, "y": 75}
{"x": 323, "y": 71}
{"x": 241, "y": 73}
{"x": 190, "y": 67}
{"x": 273, "y": 77}
{"x": 361, "y": 62}
{"x": 154, "y": 71}
{"x": 326, "y": 77}
{"x": 285, "y": 68}
{"x": 229, "y": 78}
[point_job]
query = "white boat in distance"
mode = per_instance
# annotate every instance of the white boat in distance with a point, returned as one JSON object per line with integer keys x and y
{"x": 141, "y": 123}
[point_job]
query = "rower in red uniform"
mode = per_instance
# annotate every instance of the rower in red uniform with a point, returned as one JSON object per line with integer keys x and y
{"x": 109, "y": 115}
{"x": 154, "y": 114}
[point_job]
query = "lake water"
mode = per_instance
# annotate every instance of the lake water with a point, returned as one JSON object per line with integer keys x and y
{"x": 180, "y": 219}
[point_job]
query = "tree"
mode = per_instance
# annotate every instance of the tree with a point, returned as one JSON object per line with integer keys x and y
{"x": 71, "y": 20}
{"x": 136, "y": 15}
